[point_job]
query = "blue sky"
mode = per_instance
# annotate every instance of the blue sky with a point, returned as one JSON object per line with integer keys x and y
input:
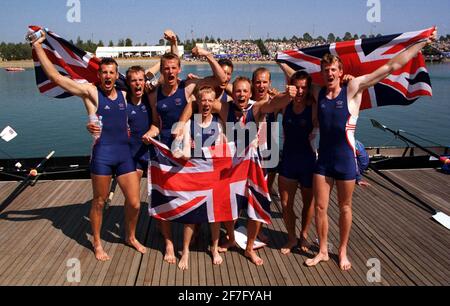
{"x": 145, "y": 21}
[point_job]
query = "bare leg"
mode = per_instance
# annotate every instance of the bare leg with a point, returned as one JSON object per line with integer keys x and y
{"x": 307, "y": 215}
{"x": 187, "y": 236}
{"x": 345, "y": 193}
{"x": 129, "y": 184}
{"x": 322, "y": 189}
{"x": 252, "y": 231}
{"x": 270, "y": 180}
{"x": 100, "y": 186}
{"x": 231, "y": 242}
{"x": 215, "y": 232}
{"x": 166, "y": 229}
{"x": 288, "y": 188}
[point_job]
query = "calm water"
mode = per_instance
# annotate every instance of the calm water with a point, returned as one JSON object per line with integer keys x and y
{"x": 45, "y": 124}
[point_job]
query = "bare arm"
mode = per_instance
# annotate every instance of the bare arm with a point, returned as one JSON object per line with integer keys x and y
{"x": 280, "y": 101}
{"x": 219, "y": 74}
{"x": 79, "y": 90}
{"x": 154, "y": 128}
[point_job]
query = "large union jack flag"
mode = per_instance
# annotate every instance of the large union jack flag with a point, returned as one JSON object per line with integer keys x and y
{"x": 364, "y": 56}
{"x": 210, "y": 189}
{"x": 70, "y": 61}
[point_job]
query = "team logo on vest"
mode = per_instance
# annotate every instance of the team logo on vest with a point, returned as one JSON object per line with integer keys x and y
{"x": 144, "y": 109}
{"x": 122, "y": 106}
{"x": 340, "y": 104}
{"x": 133, "y": 113}
{"x": 323, "y": 106}
{"x": 177, "y": 101}
{"x": 107, "y": 107}
{"x": 164, "y": 106}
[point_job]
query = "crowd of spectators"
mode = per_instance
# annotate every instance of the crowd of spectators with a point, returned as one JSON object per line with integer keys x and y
{"x": 249, "y": 51}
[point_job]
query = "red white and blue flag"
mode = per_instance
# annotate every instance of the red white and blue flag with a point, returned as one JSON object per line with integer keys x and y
{"x": 364, "y": 56}
{"x": 210, "y": 189}
{"x": 69, "y": 60}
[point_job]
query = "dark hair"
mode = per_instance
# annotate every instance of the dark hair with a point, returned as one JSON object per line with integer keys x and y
{"x": 301, "y": 75}
{"x": 135, "y": 69}
{"x": 170, "y": 56}
{"x": 261, "y": 70}
{"x": 226, "y": 62}
{"x": 107, "y": 61}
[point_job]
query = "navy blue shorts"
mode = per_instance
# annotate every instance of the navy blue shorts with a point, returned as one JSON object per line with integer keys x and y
{"x": 332, "y": 170}
{"x": 112, "y": 159}
{"x": 299, "y": 168}
{"x": 139, "y": 152}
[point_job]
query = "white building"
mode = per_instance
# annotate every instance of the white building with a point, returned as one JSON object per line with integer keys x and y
{"x": 143, "y": 51}
{"x": 213, "y": 48}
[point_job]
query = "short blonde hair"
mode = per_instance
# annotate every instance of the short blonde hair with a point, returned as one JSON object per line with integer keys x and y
{"x": 204, "y": 90}
{"x": 329, "y": 59}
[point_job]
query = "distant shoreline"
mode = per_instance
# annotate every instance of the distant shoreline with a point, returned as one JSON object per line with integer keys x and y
{"x": 143, "y": 62}
{"x": 128, "y": 62}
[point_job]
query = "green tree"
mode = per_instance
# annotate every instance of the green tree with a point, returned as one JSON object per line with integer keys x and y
{"x": 348, "y": 36}
{"x": 128, "y": 42}
{"x": 331, "y": 38}
{"x": 121, "y": 43}
{"x": 100, "y": 44}
{"x": 307, "y": 37}
{"x": 111, "y": 43}
{"x": 355, "y": 37}
{"x": 338, "y": 39}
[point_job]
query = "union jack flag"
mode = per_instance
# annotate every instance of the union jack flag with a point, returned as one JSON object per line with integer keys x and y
{"x": 209, "y": 189}
{"x": 360, "y": 57}
{"x": 70, "y": 61}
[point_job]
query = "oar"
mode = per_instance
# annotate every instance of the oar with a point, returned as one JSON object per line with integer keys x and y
{"x": 111, "y": 193}
{"x": 397, "y": 134}
{"x": 439, "y": 216}
{"x": 29, "y": 180}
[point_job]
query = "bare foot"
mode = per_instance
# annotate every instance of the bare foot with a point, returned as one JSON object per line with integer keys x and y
{"x": 344, "y": 263}
{"x": 314, "y": 261}
{"x": 287, "y": 248}
{"x": 100, "y": 254}
{"x": 169, "y": 256}
{"x": 135, "y": 244}
{"x": 254, "y": 258}
{"x": 184, "y": 261}
{"x": 227, "y": 245}
{"x": 304, "y": 244}
{"x": 217, "y": 259}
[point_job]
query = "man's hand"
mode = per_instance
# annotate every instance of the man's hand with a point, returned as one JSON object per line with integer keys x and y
{"x": 347, "y": 78}
{"x": 291, "y": 91}
{"x": 170, "y": 36}
{"x": 197, "y": 52}
{"x": 192, "y": 76}
{"x": 433, "y": 37}
{"x": 40, "y": 40}
{"x": 93, "y": 128}
{"x": 273, "y": 92}
{"x": 363, "y": 183}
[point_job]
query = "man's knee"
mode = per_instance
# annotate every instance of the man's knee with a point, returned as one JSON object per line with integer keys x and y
{"x": 98, "y": 202}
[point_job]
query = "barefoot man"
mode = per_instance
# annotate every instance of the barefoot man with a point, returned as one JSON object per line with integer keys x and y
{"x": 111, "y": 153}
{"x": 338, "y": 111}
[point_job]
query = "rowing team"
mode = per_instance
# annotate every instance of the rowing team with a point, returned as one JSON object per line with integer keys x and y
{"x": 130, "y": 119}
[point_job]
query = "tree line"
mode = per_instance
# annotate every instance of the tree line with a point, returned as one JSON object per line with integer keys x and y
{"x": 22, "y": 51}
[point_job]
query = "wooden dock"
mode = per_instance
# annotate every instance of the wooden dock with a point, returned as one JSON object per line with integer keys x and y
{"x": 47, "y": 225}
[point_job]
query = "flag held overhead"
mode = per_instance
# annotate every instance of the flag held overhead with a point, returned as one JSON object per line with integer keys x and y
{"x": 364, "y": 56}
